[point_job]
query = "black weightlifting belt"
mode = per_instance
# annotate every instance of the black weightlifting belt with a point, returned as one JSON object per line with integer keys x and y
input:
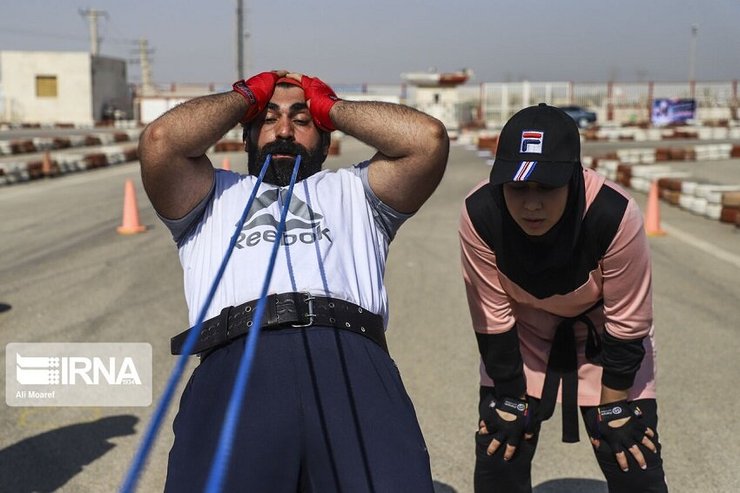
{"x": 283, "y": 311}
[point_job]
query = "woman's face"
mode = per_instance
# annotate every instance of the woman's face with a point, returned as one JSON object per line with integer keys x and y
{"x": 535, "y": 208}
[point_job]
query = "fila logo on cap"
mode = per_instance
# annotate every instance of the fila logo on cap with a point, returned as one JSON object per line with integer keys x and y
{"x": 532, "y": 141}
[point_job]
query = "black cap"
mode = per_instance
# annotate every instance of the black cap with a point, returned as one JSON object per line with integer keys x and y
{"x": 540, "y": 144}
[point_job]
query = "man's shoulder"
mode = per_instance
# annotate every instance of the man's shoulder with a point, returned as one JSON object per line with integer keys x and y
{"x": 349, "y": 171}
{"x": 227, "y": 178}
{"x": 348, "y": 178}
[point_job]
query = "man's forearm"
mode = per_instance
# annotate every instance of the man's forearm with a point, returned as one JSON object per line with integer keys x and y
{"x": 174, "y": 169}
{"x": 394, "y": 130}
{"x": 412, "y": 149}
{"x": 192, "y": 127}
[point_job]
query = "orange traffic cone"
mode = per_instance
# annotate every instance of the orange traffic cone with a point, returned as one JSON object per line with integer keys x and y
{"x": 130, "y": 223}
{"x": 652, "y": 217}
{"x": 334, "y": 147}
{"x": 47, "y": 168}
{"x": 226, "y": 164}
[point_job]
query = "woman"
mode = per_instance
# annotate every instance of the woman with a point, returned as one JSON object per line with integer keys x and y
{"x": 557, "y": 271}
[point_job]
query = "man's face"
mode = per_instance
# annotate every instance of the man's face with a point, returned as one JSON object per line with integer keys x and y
{"x": 286, "y": 130}
{"x": 534, "y": 207}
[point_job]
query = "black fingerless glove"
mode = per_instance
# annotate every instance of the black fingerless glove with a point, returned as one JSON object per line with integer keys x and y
{"x": 622, "y": 437}
{"x": 505, "y": 431}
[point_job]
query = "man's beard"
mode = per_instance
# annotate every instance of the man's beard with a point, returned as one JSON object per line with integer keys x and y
{"x": 280, "y": 171}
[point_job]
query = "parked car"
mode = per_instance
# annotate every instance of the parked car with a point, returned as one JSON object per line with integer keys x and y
{"x": 582, "y": 116}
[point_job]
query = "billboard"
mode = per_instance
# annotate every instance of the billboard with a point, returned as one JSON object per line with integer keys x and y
{"x": 672, "y": 111}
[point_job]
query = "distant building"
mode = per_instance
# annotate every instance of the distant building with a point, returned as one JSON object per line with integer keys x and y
{"x": 445, "y": 104}
{"x": 438, "y": 94}
{"x": 151, "y": 102}
{"x": 44, "y": 87}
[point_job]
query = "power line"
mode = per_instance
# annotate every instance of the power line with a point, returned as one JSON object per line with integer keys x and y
{"x": 121, "y": 37}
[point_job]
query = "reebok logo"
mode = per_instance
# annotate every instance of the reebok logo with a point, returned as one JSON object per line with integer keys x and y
{"x": 302, "y": 224}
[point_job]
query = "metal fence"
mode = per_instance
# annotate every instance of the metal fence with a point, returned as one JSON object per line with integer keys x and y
{"x": 492, "y": 103}
{"x": 613, "y": 101}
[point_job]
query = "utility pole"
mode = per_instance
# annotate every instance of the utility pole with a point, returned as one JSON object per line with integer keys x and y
{"x": 92, "y": 18}
{"x": 239, "y": 39}
{"x": 147, "y": 86}
{"x": 692, "y": 61}
{"x": 692, "y": 53}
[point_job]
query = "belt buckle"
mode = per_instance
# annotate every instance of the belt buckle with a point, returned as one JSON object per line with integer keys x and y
{"x": 310, "y": 315}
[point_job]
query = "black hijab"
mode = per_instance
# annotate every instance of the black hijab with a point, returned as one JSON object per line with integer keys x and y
{"x": 539, "y": 263}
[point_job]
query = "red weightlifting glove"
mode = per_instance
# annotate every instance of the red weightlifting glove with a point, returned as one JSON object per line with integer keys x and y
{"x": 257, "y": 90}
{"x": 322, "y": 98}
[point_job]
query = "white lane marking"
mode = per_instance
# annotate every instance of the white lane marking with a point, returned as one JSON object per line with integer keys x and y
{"x": 702, "y": 245}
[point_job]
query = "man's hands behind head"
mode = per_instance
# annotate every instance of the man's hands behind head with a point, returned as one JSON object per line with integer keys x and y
{"x": 257, "y": 90}
{"x": 320, "y": 98}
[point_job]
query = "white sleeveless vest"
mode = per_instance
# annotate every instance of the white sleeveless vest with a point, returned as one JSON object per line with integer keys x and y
{"x": 332, "y": 245}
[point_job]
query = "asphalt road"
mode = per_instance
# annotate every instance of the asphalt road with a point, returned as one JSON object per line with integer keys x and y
{"x": 67, "y": 276}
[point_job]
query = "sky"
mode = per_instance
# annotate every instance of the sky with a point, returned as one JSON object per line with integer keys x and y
{"x": 374, "y": 41}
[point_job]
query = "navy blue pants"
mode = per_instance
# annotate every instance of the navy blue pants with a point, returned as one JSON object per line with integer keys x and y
{"x": 325, "y": 411}
{"x": 493, "y": 474}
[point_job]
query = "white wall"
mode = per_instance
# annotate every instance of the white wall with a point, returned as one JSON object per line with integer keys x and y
{"x": 73, "y": 102}
{"x": 151, "y": 107}
{"x": 439, "y": 102}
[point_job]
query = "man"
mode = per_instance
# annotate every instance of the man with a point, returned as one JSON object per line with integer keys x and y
{"x": 325, "y": 409}
{"x": 556, "y": 266}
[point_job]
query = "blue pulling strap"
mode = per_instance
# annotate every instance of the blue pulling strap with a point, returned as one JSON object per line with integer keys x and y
{"x": 226, "y": 439}
{"x": 140, "y": 458}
